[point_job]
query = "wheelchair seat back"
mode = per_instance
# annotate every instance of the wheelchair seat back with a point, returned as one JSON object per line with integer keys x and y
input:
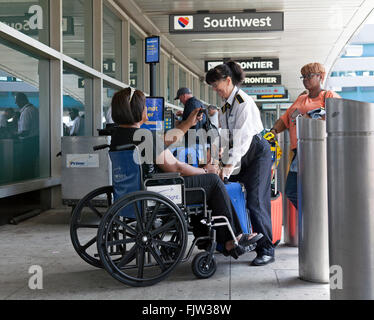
{"x": 126, "y": 176}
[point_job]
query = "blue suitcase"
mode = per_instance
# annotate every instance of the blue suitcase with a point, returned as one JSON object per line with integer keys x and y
{"x": 238, "y": 198}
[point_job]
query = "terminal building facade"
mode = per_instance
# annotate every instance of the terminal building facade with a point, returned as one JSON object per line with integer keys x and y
{"x": 70, "y": 57}
{"x": 66, "y": 55}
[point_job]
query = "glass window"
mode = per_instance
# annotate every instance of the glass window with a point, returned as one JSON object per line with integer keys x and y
{"x": 170, "y": 82}
{"x": 108, "y": 93}
{"x": 210, "y": 92}
{"x": 29, "y": 17}
{"x": 136, "y": 60}
{"x": 77, "y": 30}
{"x": 24, "y": 116}
{"x": 112, "y": 42}
{"x": 182, "y": 78}
{"x": 182, "y": 81}
{"x": 77, "y": 104}
{"x": 202, "y": 91}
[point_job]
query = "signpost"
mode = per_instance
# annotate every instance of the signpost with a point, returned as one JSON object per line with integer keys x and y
{"x": 155, "y": 113}
{"x": 152, "y": 56}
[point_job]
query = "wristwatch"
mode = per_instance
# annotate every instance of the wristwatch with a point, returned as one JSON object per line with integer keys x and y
{"x": 206, "y": 170}
{"x": 276, "y": 131}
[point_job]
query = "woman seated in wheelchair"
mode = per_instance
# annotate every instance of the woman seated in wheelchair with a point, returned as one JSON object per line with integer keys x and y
{"x": 129, "y": 112}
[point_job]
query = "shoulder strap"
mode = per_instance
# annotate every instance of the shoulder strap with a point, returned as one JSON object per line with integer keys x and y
{"x": 239, "y": 98}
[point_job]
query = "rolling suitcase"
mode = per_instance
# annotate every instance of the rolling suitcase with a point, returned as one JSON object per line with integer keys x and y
{"x": 277, "y": 217}
{"x": 238, "y": 198}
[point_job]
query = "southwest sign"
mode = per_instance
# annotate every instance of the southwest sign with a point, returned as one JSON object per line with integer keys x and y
{"x": 226, "y": 22}
{"x": 254, "y": 64}
{"x": 251, "y": 80}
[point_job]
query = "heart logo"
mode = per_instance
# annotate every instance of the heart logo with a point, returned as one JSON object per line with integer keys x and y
{"x": 183, "y": 21}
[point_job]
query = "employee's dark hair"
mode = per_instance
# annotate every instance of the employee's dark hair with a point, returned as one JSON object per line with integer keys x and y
{"x": 229, "y": 69}
{"x": 125, "y": 111}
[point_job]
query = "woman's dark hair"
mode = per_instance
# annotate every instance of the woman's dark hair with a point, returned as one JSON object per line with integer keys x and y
{"x": 125, "y": 111}
{"x": 229, "y": 69}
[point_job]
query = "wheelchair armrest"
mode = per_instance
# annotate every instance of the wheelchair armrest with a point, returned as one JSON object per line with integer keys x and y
{"x": 166, "y": 175}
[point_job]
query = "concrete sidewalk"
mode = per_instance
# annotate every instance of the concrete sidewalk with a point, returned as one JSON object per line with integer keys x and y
{"x": 45, "y": 241}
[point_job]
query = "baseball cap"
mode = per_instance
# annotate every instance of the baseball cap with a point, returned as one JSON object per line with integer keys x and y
{"x": 212, "y": 107}
{"x": 182, "y": 91}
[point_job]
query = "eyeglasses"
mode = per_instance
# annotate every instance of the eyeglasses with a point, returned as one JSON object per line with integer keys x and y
{"x": 309, "y": 76}
{"x": 217, "y": 83}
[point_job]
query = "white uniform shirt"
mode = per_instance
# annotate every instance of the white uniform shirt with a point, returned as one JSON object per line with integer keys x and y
{"x": 29, "y": 120}
{"x": 108, "y": 116}
{"x": 77, "y": 128}
{"x": 244, "y": 121}
{"x": 214, "y": 120}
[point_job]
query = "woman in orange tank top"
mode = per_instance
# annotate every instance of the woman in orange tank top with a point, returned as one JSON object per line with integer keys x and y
{"x": 312, "y": 75}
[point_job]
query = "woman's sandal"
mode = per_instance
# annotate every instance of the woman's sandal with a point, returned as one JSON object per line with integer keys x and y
{"x": 245, "y": 244}
{"x": 248, "y": 241}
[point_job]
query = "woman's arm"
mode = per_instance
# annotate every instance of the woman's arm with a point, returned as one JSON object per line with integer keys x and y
{"x": 168, "y": 163}
{"x": 176, "y": 134}
{"x": 278, "y": 127}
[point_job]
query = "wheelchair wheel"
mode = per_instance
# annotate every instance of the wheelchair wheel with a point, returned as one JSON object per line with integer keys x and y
{"x": 200, "y": 268}
{"x": 85, "y": 221}
{"x": 153, "y": 244}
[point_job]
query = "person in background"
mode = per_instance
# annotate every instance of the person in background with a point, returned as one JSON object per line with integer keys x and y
{"x": 213, "y": 115}
{"x": 7, "y": 128}
{"x": 240, "y": 117}
{"x": 77, "y": 127}
{"x": 312, "y": 75}
{"x": 190, "y": 103}
{"x": 28, "y": 136}
{"x": 28, "y": 124}
{"x": 5, "y": 116}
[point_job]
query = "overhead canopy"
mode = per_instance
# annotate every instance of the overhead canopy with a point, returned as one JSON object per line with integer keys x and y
{"x": 314, "y": 31}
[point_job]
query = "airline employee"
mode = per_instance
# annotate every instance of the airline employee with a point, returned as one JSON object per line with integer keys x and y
{"x": 248, "y": 149}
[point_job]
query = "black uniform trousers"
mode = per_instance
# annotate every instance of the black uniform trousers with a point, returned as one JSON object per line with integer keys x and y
{"x": 255, "y": 174}
{"x": 218, "y": 201}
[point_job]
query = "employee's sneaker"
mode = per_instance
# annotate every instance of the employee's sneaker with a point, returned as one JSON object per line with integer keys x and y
{"x": 262, "y": 260}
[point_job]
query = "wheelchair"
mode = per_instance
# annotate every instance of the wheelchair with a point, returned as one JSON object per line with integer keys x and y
{"x": 137, "y": 229}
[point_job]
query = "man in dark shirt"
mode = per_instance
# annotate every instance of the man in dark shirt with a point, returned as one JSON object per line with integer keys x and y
{"x": 190, "y": 103}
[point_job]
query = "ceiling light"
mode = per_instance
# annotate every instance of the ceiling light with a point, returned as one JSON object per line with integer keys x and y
{"x": 241, "y": 52}
{"x": 235, "y": 39}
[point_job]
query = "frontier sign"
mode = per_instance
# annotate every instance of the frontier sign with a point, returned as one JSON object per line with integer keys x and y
{"x": 226, "y": 22}
{"x": 252, "y": 64}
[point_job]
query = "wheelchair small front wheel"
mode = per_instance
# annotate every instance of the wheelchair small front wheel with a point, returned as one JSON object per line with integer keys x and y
{"x": 200, "y": 266}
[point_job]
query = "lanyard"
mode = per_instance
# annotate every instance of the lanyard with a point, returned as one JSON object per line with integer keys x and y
{"x": 227, "y": 121}
{"x": 229, "y": 113}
